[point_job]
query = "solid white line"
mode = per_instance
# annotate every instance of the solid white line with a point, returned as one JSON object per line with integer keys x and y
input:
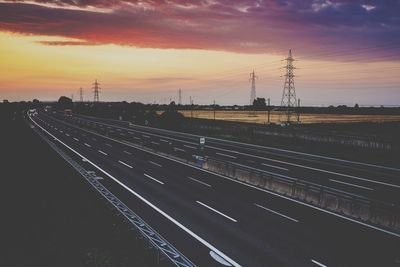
{"x": 216, "y": 211}
{"x": 126, "y": 152}
{"x": 247, "y": 185}
{"x": 152, "y": 162}
{"x": 359, "y": 186}
{"x": 76, "y": 139}
{"x": 190, "y": 146}
{"x": 109, "y": 145}
{"x": 225, "y": 155}
{"x": 102, "y": 152}
{"x": 277, "y": 213}
{"x": 184, "y": 228}
{"x": 127, "y": 165}
{"x": 87, "y": 145}
{"x": 198, "y": 181}
{"x": 318, "y": 263}
{"x": 273, "y": 166}
{"x": 154, "y": 179}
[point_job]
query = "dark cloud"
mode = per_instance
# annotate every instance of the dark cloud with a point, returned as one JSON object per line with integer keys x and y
{"x": 241, "y": 26}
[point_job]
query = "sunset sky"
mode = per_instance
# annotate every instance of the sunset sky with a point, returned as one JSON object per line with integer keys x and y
{"x": 348, "y": 51}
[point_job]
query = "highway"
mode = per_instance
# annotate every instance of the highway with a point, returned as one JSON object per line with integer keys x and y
{"x": 371, "y": 181}
{"x": 199, "y": 212}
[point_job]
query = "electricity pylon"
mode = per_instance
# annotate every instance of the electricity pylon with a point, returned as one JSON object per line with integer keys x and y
{"x": 289, "y": 102}
{"x": 96, "y": 91}
{"x": 81, "y": 94}
{"x": 180, "y": 96}
{"x": 252, "y": 79}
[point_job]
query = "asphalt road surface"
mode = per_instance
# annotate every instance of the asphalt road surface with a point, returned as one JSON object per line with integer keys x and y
{"x": 204, "y": 215}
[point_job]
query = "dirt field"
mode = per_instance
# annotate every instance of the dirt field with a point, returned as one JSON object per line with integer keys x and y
{"x": 261, "y": 117}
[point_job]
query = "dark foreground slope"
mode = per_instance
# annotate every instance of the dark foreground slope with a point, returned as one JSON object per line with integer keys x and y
{"x": 49, "y": 215}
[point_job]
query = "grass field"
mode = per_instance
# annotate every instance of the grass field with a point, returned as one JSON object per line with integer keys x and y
{"x": 261, "y": 117}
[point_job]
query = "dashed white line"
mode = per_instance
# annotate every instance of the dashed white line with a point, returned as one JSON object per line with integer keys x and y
{"x": 273, "y": 166}
{"x": 359, "y": 186}
{"x": 127, "y": 165}
{"x": 163, "y": 140}
{"x": 127, "y": 152}
{"x": 146, "y": 136}
{"x": 104, "y": 153}
{"x": 318, "y": 263}
{"x": 198, "y": 181}
{"x": 154, "y": 179}
{"x": 154, "y": 143}
{"x": 277, "y": 213}
{"x": 225, "y": 155}
{"x": 154, "y": 163}
{"x": 216, "y": 211}
{"x": 192, "y": 147}
{"x": 137, "y": 138}
{"x": 178, "y": 149}
{"x": 67, "y": 134}
{"x": 86, "y": 144}
{"x": 109, "y": 145}
{"x": 76, "y": 139}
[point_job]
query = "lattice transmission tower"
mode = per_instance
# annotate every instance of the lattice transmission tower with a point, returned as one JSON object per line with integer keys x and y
{"x": 96, "y": 89}
{"x": 252, "y": 79}
{"x": 289, "y": 102}
{"x": 81, "y": 94}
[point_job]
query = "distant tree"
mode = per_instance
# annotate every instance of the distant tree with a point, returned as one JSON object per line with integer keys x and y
{"x": 259, "y": 104}
{"x": 5, "y": 101}
{"x": 35, "y": 101}
{"x": 356, "y": 106}
{"x": 64, "y": 102}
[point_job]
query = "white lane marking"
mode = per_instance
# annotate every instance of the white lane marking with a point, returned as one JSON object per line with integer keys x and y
{"x": 219, "y": 259}
{"x": 216, "y": 211}
{"x": 277, "y": 213}
{"x": 180, "y": 225}
{"x": 243, "y": 183}
{"x": 318, "y": 263}
{"x": 104, "y": 153}
{"x": 225, "y": 155}
{"x": 109, "y": 145}
{"x": 192, "y": 147}
{"x": 146, "y": 136}
{"x": 137, "y": 138}
{"x": 198, "y": 181}
{"x": 131, "y": 132}
{"x": 155, "y": 143}
{"x": 61, "y": 131}
{"x": 178, "y": 149}
{"x": 76, "y": 139}
{"x": 127, "y": 165}
{"x": 152, "y": 162}
{"x": 359, "y": 186}
{"x": 67, "y": 134}
{"x": 126, "y": 152}
{"x": 163, "y": 140}
{"x": 87, "y": 145}
{"x": 273, "y": 166}
{"x": 152, "y": 178}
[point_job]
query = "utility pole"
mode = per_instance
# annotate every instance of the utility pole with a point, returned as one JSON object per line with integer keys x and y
{"x": 81, "y": 94}
{"x": 180, "y": 96}
{"x": 96, "y": 91}
{"x": 191, "y": 107}
{"x": 298, "y": 110}
{"x": 289, "y": 102}
{"x": 72, "y": 97}
{"x": 214, "y": 109}
{"x": 269, "y": 110}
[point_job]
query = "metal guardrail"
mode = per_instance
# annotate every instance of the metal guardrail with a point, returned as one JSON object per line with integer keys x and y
{"x": 154, "y": 238}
